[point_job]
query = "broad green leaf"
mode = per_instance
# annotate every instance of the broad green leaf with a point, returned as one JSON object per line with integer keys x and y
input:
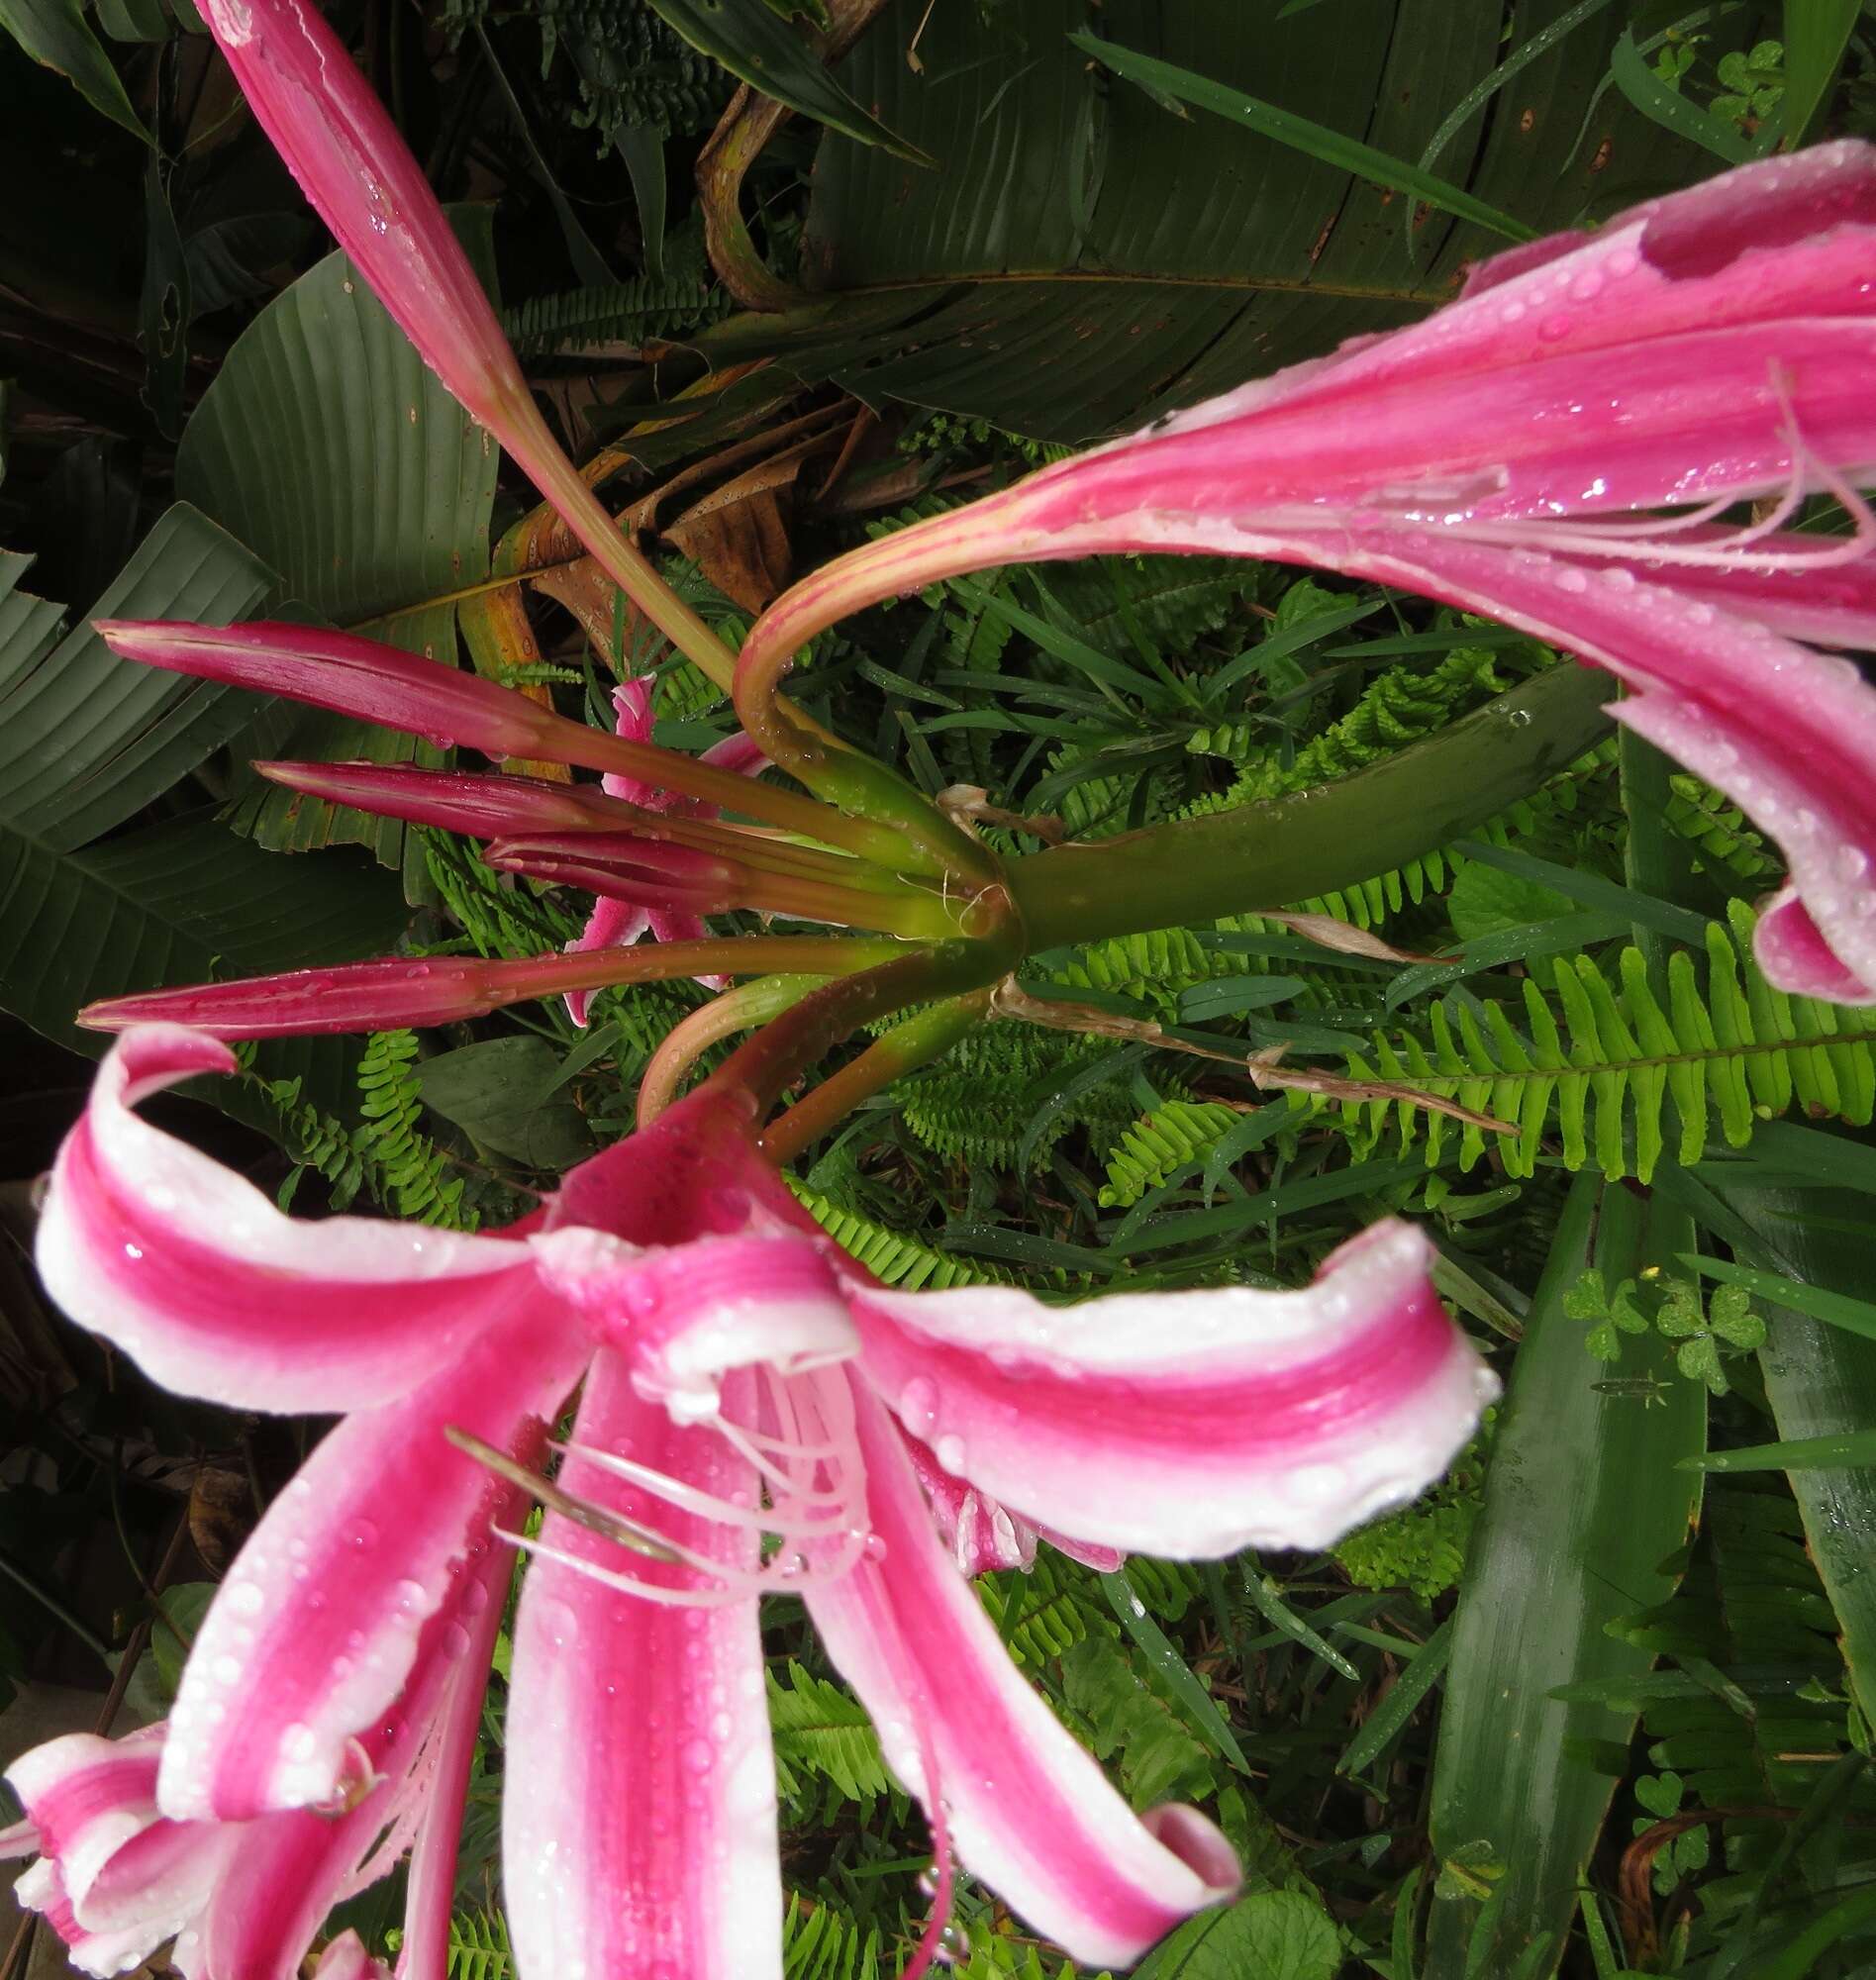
{"x": 1816, "y": 32}
{"x": 752, "y": 40}
{"x": 327, "y": 447}
{"x": 56, "y": 33}
{"x": 500, "y": 1092}
{"x": 1315, "y": 140}
{"x": 185, "y": 902}
{"x": 1582, "y": 1504}
{"x": 1079, "y": 261}
{"x": 1821, "y": 1382}
{"x": 87, "y": 740}
{"x": 1268, "y": 1935}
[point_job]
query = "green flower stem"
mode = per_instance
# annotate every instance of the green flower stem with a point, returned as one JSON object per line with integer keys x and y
{"x": 739, "y": 1009}
{"x": 915, "y": 1042}
{"x": 766, "y": 1063}
{"x": 913, "y": 833}
{"x": 1293, "y": 848}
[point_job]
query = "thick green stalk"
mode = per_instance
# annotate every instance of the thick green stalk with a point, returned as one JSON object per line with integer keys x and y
{"x": 927, "y": 1035}
{"x": 1293, "y": 848}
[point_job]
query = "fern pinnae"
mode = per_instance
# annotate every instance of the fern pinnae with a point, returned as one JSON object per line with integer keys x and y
{"x": 1600, "y": 1058}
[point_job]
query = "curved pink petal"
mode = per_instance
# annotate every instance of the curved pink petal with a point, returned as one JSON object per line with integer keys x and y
{"x": 1029, "y": 1811}
{"x": 979, "y": 1534}
{"x": 102, "y": 1953}
{"x": 1796, "y": 957}
{"x": 87, "y": 1797}
{"x": 1785, "y": 238}
{"x": 1189, "y": 1424}
{"x": 611, "y": 924}
{"x": 319, "y": 1625}
{"x": 288, "y": 1870}
{"x": 684, "y": 1315}
{"x": 195, "y": 1274}
{"x": 638, "y": 1827}
{"x": 345, "y": 1958}
{"x": 1674, "y": 420}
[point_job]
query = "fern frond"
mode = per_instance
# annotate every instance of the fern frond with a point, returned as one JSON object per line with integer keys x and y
{"x": 414, "y": 1170}
{"x": 387, "y": 1156}
{"x": 1600, "y": 1058}
{"x": 1160, "y": 1143}
{"x": 890, "y": 1256}
{"x": 822, "y": 1729}
{"x": 1398, "y": 707}
{"x": 480, "y": 1947}
{"x": 821, "y": 1943}
{"x": 620, "y": 312}
{"x": 1038, "y": 1614}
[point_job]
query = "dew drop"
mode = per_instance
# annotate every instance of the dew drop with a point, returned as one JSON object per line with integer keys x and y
{"x": 950, "y": 1450}
{"x": 918, "y": 1403}
{"x": 363, "y": 1536}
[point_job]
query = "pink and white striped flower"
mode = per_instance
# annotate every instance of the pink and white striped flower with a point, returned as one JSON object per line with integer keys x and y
{"x": 1556, "y": 450}
{"x": 743, "y": 1379}
{"x": 118, "y": 1875}
{"x": 615, "y": 923}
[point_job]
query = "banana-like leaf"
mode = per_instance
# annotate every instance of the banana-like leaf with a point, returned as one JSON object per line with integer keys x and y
{"x": 1582, "y": 1503}
{"x": 1821, "y": 1382}
{"x": 1083, "y": 259}
{"x": 57, "y": 34}
{"x": 86, "y": 742}
{"x": 753, "y": 40}
{"x": 327, "y": 447}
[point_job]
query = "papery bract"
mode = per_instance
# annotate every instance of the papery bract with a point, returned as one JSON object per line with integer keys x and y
{"x": 743, "y": 1377}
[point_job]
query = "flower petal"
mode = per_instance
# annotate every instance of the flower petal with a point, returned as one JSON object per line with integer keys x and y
{"x": 88, "y": 1798}
{"x": 685, "y": 1315}
{"x": 320, "y": 1622}
{"x": 195, "y": 1274}
{"x": 345, "y": 1958}
{"x": 1029, "y": 1808}
{"x": 639, "y": 1827}
{"x": 1796, "y": 957}
{"x": 980, "y": 1534}
{"x": 1189, "y": 1424}
{"x": 102, "y": 1953}
{"x": 348, "y": 674}
{"x": 611, "y": 924}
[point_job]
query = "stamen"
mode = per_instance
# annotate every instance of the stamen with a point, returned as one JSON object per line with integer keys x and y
{"x": 1730, "y": 551}
{"x": 688, "y": 1498}
{"x": 609, "y": 1526}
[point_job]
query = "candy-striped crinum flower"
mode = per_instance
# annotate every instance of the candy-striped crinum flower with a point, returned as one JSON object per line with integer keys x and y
{"x": 1560, "y": 448}
{"x": 751, "y": 1407}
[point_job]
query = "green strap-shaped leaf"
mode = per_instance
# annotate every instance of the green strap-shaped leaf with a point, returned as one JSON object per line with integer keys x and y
{"x": 1316, "y": 141}
{"x": 1582, "y": 1503}
{"x": 1820, "y": 1381}
{"x": 57, "y": 34}
{"x": 1817, "y": 32}
{"x": 752, "y": 40}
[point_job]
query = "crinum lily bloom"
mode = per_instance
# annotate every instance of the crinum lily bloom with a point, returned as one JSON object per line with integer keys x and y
{"x": 749, "y": 1395}
{"x": 1556, "y": 450}
{"x": 615, "y": 923}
